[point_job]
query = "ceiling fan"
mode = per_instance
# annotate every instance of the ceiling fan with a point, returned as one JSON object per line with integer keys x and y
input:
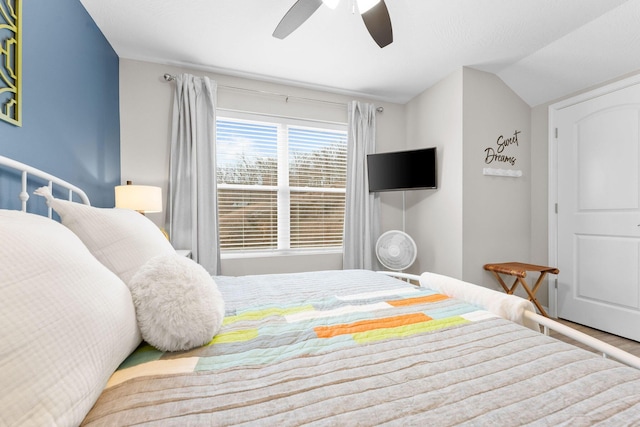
{"x": 374, "y": 14}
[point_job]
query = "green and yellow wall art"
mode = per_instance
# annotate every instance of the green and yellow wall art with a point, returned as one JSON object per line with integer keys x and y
{"x": 11, "y": 61}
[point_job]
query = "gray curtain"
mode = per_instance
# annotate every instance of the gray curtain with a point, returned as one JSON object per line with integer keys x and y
{"x": 362, "y": 209}
{"x": 193, "y": 210}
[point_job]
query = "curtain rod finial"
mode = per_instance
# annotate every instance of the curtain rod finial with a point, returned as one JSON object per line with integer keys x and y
{"x": 380, "y": 109}
{"x": 168, "y": 77}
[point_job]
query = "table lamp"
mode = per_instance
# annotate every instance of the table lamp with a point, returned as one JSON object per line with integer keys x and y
{"x": 141, "y": 198}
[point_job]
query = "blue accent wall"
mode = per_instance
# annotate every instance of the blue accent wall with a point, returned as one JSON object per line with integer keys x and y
{"x": 70, "y": 110}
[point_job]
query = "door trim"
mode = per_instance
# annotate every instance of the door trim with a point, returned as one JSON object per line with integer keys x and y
{"x": 552, "y": 216}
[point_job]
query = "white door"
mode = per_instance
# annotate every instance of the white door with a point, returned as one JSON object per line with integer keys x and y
{"x": 598, "y": 159}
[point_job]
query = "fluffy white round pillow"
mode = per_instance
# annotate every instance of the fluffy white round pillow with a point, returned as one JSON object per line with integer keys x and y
{"x": 178, "y": 304}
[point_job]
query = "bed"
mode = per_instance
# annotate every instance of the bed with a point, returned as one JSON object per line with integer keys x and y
{"x": 320, "y": 348}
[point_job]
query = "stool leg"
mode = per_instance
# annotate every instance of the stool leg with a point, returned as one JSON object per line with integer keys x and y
{"x": 539, "y": 282}
{"x": 504, "y": 285}
{"x": 532, "y": 297}
{"x": 513, "y": 286}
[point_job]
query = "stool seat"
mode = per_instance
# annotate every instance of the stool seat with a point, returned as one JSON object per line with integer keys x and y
{"x": 519, "y": 271}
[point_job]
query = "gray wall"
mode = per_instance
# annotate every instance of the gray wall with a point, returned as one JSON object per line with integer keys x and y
{"x": 471, "y": 219}
{"x": 496, "y": 209}
{"x": 146, "y": 101}
{"x": 434, "y": 217}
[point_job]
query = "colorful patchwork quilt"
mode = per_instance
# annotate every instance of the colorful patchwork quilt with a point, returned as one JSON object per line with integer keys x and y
{"x": 361, "y": 348}
{"x": 266, "y": 333}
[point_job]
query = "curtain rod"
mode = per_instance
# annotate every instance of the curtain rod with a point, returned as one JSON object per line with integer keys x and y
{"x": 170, "y": 77}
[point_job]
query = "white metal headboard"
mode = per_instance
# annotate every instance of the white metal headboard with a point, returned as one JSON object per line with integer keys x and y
{"x": 26, "y": 170}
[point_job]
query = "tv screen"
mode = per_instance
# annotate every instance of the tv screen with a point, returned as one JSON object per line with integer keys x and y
{"x": 402, "y": 170}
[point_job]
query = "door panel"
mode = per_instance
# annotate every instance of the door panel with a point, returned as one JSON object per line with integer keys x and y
{"x": 598, "y": 212}
{"x": 606, "y": 270}
{"x": 608, "y": 160}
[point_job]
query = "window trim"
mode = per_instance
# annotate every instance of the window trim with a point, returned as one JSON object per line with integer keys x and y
{"x": 283, "y": 122}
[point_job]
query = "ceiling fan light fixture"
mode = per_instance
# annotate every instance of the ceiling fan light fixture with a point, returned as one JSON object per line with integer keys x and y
{"x": 365, "y": 5}
{"x": 331, "y": 4}
{"x": 374, "y": 13}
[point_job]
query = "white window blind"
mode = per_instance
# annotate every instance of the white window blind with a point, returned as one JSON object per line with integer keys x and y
{"x": 281, "y": 183}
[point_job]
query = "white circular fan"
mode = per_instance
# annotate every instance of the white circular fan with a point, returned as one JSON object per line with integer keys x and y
{"x": 396, "y": 250}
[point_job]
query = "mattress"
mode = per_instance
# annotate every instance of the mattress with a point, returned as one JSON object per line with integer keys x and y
{"x": 361, "y": 348}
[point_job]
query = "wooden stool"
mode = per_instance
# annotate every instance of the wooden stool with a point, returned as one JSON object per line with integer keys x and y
{"x": 519, "y": 271}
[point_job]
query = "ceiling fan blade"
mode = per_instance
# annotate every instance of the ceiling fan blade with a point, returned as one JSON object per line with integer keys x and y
{"x": 299, "y": 12}
{"x": 378, "y": 23}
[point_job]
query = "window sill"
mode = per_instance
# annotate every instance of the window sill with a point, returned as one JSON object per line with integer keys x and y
{"x": 283, "y": 253}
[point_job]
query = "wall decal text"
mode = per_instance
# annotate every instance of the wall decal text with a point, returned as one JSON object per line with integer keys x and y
{"x": 497, "y": 154}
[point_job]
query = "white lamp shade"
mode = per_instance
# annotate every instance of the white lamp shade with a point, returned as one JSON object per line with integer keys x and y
{"x": 141, "y": 198}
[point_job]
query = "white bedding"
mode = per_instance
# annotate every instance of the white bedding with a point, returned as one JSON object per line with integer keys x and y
{"x": 66, "y": 323}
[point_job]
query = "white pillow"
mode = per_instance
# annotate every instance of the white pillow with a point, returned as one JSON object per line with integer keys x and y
{"x": 66, "y": 323}
{"x": 121, "y": 239}
{"x": 178, "y": 304}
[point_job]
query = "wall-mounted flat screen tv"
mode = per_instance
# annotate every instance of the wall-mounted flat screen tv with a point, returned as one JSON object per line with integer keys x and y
{"x": 403, "y": 170}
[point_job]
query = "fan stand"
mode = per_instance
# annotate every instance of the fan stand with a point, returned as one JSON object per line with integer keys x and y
{"x": 394, "y": 246}
{"x": 403, "y": 213}
{"x": 404, "y": 219}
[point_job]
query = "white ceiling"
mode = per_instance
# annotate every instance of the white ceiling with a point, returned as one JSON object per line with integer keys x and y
{"x": 543, "y": 49}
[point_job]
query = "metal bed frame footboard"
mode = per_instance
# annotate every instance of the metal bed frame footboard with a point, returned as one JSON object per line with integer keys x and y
{"x": 27, "y": 171}
{"x": 607, "y": 350}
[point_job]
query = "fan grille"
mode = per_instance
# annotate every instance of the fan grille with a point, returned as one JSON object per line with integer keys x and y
{"x": 396, "y": 250}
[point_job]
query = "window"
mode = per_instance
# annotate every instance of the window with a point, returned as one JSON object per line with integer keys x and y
{"x": 281, "y": 183}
